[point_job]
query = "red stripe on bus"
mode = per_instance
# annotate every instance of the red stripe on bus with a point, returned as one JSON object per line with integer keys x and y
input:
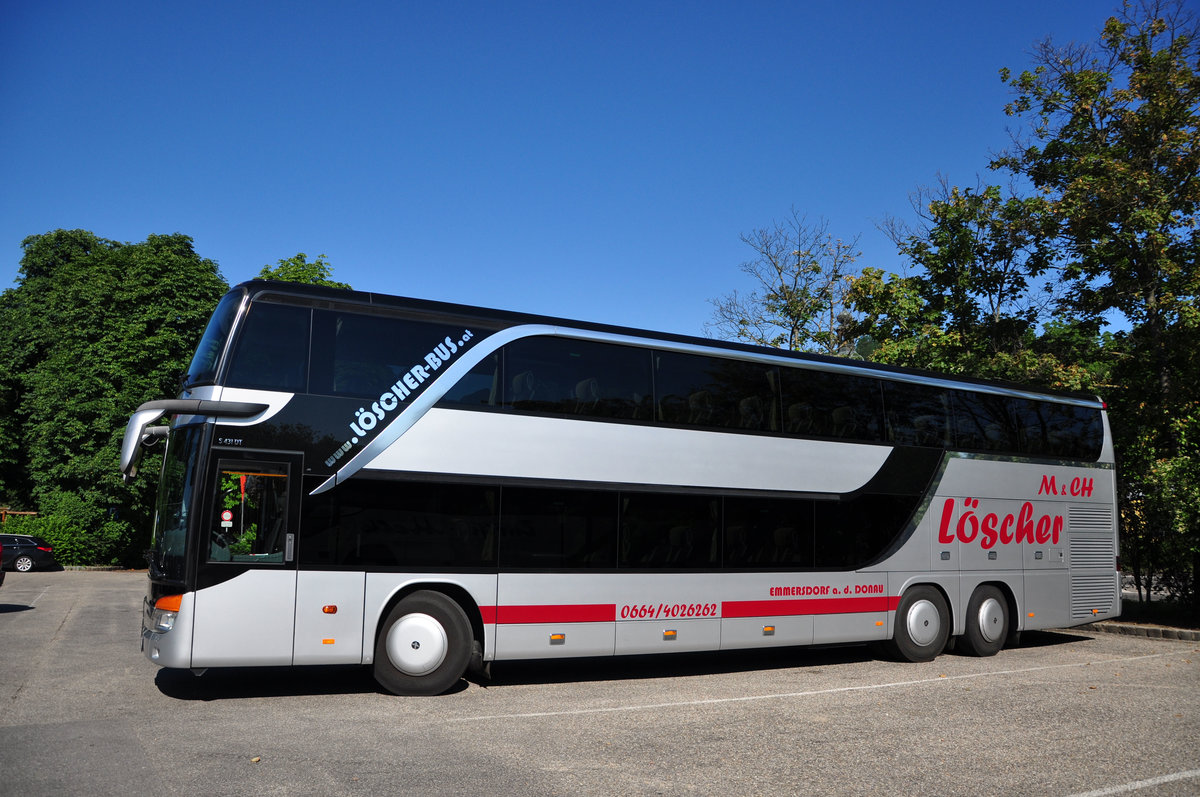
{"x": 801, "y": 606}
{"x": 607, "y": 612}
{"x": 577, "y": 613}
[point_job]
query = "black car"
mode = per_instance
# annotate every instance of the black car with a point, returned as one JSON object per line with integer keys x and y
{"x": 24, "y": 553}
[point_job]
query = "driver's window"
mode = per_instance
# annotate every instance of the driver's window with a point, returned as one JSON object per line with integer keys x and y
{"x": 249, "y": 518}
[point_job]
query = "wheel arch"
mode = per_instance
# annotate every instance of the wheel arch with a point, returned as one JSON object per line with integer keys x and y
{"x": 1010, "y": 598}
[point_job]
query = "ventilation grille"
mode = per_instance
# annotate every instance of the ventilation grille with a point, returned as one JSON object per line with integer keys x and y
{"x": 1093, "y": 552}
{"x": 1090, "y": 519}
{"x": 1093, "y": 594}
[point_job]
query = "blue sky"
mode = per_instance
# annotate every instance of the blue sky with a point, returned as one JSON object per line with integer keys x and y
{"x": 589, "y": 160}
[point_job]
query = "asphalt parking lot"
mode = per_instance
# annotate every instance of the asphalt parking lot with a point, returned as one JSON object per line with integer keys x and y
{"x": 1071, "y": 713}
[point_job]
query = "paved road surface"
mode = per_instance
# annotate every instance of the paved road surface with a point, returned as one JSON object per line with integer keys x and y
{"x": 81, "y": 712}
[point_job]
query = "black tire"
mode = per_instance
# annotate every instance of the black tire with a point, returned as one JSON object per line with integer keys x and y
{"x": 987, "y": 622}
{"x": 423, "y": 646}
{"x": 23, "y": 564}
{"x": 922, "y": 625}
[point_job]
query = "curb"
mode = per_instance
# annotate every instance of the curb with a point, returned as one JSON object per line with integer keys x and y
{"x": 1137, "y": 629}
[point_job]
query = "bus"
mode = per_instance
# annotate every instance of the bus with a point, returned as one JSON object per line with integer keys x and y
{"x": 423, "y": 488}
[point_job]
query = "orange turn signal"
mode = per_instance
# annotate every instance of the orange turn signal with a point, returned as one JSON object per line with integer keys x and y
{"x": 169, "y": 603}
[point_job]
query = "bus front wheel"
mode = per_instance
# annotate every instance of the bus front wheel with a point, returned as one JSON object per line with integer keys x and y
{"x": 922, "y": 625}
{"x": 423, "y": 646}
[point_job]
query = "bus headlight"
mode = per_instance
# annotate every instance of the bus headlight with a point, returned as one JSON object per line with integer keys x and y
{"x": 166, "y": 609}
{"x": 162, "y": 622}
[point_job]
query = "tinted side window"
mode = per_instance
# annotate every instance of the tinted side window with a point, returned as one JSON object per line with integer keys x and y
{"x": 401, "y": 524}
{"x": 545, "y": 528}
{"x": 481, "y": 387}
{"x": 272, "y": 349}
{"x": 668, "y": 531}
{"x": 763, "y": 531}
{"x": 984, "y": 422}
{"x": 1076, "y": 432}
{"x": 715, "y": 392}
{"x": 576, "y": 377}
{"x": 358, "y": 354}
{"x": 819, "y": 404}
{"x": 917, "y": 415}
{"x": 1058, "y": 430}
{"x": 852, "y": 533}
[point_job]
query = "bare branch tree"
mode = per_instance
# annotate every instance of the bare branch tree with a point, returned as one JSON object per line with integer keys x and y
{"x": 801, "y": 274}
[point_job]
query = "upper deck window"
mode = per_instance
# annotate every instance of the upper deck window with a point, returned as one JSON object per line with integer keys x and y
{"x": 575, "y": 377}
{"x": 272, "y": 349}
{"x": 715, "y": 392}
{"x": 363, "y": 354}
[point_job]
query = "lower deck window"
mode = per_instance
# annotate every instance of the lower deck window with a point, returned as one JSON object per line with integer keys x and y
{"x": 378, "y": 523}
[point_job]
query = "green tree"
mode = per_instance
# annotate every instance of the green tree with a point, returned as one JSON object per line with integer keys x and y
{"x": 978, "y": 291}
{"x": 801, "y": 274}
{"x": 1112, "y": 142}
{"x": 93, "y": 329}
{"x": 299, "y": 269}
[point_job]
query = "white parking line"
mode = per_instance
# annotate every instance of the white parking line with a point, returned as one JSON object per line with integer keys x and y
{"x": 812, "y": 693}
{"x": 13, "y": 593}
{"x": 1141, "y": 784}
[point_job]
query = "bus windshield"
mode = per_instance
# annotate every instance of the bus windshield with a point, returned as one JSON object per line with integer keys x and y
{"x": 167, "y": 556}
{"x": 203, "y": 369}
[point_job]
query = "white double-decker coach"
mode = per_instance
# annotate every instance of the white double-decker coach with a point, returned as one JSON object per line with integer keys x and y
{"x": 422, "y": 487}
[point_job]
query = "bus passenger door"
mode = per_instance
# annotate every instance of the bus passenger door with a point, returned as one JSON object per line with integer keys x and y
{"x": 246, "y": 572}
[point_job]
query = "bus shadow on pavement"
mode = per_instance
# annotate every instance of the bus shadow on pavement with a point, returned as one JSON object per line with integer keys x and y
{"x": 11, "y": 608}
{"x": 1045, "y": 639}
{"x": 674, "y": 665}
{"x": 235, "y": 683}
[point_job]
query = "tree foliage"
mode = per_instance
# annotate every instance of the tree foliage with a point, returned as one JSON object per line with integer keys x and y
{"x": 977, "y": 294}
{"x": 1102, "y": 227}
{"x": 298, "y": 269}
{"x": 1112, "y": 142}
{"x": 93, "y": 329}
{"x": 801, "y": 274}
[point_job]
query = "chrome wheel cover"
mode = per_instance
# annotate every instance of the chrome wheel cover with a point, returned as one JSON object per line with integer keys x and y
{"x": 924, "y": 622}
{"x": 990, "y": 620}
{"x": 417, "y": 644}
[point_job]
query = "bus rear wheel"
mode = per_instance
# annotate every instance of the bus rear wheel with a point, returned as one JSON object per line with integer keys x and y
{"x": 987, "y": 622}
{"x": 922, "y": 625}
{"x": 423, "y": 646}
